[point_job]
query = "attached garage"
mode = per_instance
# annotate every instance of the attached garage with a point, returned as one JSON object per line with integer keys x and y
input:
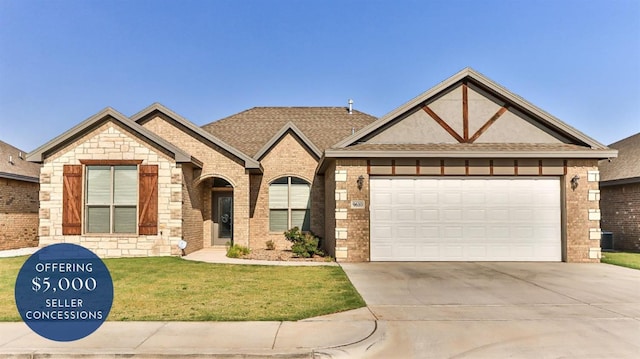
{"x": 465, "y": 219}
{"x": 466, "y": 171}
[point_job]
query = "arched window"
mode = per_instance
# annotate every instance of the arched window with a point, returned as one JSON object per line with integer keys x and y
{"x": 289, "y": 204}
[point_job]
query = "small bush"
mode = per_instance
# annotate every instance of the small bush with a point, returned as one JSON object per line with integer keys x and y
{"x": 237, "y": 251}
{"x": 305, "y": 244}
{"x": 270, "y": 245}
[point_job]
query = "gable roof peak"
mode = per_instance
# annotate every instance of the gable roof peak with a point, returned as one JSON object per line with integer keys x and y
{"x": 488, "y": 85}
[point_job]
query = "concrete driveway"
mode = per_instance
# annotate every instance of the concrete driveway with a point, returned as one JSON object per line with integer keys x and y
{"x": 506, "y": 309}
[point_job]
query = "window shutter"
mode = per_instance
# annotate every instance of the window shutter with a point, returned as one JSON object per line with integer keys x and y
{"x": 148, "y": 206}
{"x": 72, "y": 200}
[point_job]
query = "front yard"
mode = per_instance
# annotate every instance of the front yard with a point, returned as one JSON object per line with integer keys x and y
{"x": 173, "y": 289}
{"x": 624, "y": 259}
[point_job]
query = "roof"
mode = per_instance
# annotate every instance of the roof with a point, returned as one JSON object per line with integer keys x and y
{"x": 156, "y": 107}
{"x": 13, "y": 164}
{"x": 626, "y": 167}
{"x": 469, "y": 150}
{"x": 250, "y": 130}
{"x": 471, "y": 75}
{"x": 109, "y": 114}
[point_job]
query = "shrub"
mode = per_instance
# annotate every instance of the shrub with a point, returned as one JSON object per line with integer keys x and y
{"x": 237, "y": 251}
{"x": 305, "y": 244}
{"x": 270, "y": 245}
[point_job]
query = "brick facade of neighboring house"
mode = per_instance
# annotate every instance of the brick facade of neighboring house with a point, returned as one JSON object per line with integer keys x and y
{"x": 246, "y": 178}
{"x": 18, "y": 199}
{"x": 620, "y": 194}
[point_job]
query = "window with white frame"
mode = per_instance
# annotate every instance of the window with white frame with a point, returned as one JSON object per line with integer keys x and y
{"x": 111, "y": 197}
{"x": 289, "y": 204}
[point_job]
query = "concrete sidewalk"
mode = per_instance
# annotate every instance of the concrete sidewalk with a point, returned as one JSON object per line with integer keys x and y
{"x": 336, "y": 335}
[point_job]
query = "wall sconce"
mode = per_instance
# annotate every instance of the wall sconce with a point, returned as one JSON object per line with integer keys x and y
{"x": 360, "y": 182}
{"x": 574, "y": 182}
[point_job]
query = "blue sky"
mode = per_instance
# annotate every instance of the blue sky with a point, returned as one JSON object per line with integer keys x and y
{"x": 62, "y": 61}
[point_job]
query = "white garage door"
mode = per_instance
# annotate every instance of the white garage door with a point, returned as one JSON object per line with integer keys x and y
{"x": 465, "y": 219}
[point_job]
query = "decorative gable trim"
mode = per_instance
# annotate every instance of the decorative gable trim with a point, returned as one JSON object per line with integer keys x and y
{"x": 141, "y": 116}
{"x": 462, "y": 77}
{"x": 289, "y": 126}
{"x": 109, "y": 114}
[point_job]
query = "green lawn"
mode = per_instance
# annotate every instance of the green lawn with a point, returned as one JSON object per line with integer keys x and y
{"x": 630, "y": 260}
{"x": 173, "y": 289}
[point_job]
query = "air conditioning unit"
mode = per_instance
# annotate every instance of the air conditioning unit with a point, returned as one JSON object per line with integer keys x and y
{"x": 606, "y": 240}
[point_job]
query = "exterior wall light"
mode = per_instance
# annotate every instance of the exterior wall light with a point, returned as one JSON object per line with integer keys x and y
{"x": 360, "y": 182}
{"x": 574, "y": 182}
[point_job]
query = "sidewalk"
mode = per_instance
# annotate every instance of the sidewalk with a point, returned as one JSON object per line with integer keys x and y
{"x": 341, "y": 335}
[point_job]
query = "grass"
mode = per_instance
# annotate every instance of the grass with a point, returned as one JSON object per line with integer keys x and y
{"x": 624, "y": 259}
{"x": 173, "y": 289}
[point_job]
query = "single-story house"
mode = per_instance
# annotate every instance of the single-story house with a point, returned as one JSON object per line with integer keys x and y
{"x": 620, "y": 194}
{"x": 466, "y": 171}
{"x": 18, "y": 199}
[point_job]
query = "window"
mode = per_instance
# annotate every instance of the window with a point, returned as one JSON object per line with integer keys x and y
{"x": 111, "y": 199}
{"x": 289, "y": 204}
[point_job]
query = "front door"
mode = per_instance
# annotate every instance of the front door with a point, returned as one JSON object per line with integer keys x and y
{"x": 223, "y": 218}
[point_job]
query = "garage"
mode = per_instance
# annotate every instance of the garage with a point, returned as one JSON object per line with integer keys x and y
{"x": 465, "y": 219}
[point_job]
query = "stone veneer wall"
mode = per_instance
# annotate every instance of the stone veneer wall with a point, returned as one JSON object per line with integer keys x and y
{"x": 621, "y": 215}
{"x": 111, "y": 142}
{"x": 18, "y": 214}
{"x": 288, "y": 157}
{"x": 216, "y": 163}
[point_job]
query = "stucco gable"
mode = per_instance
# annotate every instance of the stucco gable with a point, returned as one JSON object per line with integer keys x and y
{"x": 469, "y": 108}
{"x": 97, "y": 120}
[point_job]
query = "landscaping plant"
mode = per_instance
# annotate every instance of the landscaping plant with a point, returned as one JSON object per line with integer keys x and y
{"x": 305, "y": 244}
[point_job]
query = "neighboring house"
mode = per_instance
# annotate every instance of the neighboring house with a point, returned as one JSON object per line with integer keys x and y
{"x": 620, "y": 194}
{"x": 18, "y": 199}
{"x": 464, "y": 171}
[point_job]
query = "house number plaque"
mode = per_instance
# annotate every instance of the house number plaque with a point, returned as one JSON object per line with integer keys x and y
{"x": 357, "y": 204}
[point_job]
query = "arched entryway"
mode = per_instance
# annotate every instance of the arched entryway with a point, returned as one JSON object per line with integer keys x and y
{"x": 222, "y": 212}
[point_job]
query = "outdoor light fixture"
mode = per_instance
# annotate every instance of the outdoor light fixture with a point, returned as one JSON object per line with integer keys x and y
{"x": 182, "y": 245}
{"x": 574, "y": 182}
{"x": 360, "y": 182}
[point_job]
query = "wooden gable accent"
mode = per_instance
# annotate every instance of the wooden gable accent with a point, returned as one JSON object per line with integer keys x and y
{"x": 148, "y": 200}
{"x": 72, "y": 200}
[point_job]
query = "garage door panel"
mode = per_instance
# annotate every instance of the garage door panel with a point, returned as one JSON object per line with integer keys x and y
{"x": 459, "y": 219}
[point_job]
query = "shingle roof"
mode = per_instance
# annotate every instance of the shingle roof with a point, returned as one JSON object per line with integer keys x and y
{"x": 250, "y": 130}
{"x": 626, "y": 165}
{"x": 466, "y": 150}
{"x": 18, "y": 168}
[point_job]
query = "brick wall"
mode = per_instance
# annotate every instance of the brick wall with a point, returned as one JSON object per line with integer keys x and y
{"x": 329, "y": 241}
{"x": 288, "y": 157}
{"x": 621, "y": 215}
{"x": 579, "y": 221}
{"x": 216, "y": 163}
{"x": 18, "y": 214}
{"x": 580, "y": 215}
{"x": 111, "y": 142}
{"x": 352, "y": 232}
{"x": 192, "y": 198}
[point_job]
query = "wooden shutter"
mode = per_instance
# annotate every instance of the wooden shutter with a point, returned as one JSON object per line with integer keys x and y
{"x": 148, "y": 206}
{"x": 72, "y": 200}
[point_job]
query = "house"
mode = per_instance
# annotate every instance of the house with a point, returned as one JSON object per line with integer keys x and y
{"x": 620, "y": 194}
{"x": 18, "y": 199}
{"x": 465, "y": 171}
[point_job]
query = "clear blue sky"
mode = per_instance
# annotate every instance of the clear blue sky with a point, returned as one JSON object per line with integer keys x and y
{"x": 62, "y": 61}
